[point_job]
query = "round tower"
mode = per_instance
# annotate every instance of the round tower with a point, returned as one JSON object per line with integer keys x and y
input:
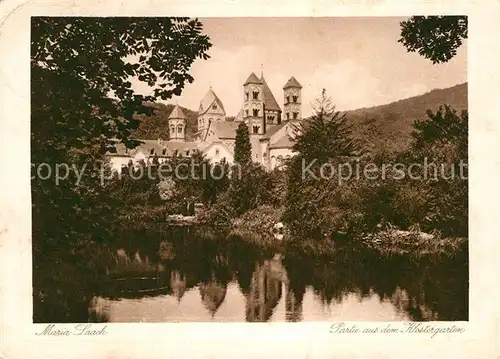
{"x": 253, "y": 105}
{"x": 293, "y": 99}
{"x": 177, "y": 124}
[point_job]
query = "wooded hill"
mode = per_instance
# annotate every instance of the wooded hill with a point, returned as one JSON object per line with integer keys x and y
{"x": 389, "y": 126}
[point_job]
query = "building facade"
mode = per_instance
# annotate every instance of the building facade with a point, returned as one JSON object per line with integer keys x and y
{"x": 272, "y": 130}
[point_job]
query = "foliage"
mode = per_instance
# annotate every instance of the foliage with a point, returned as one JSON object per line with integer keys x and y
{"x": 242, "y": 147}
{"x": 82, "y": 98}
{"x": 327, "y": 135}
{"x": 324, "y": 139}
{"x": 437, "y": 38}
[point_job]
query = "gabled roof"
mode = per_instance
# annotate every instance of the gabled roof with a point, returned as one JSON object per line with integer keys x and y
{"x": 292, "y": 82}
{"x": 252, "y": 79}
{"x": 207, "y": 102}
{"x": 177, "y": 113}
{"x": 269, "y": 100}
{"x": 272, "y": 130}
{"x": 239, "y": 116}
{"x": 284, "y": 142}
{"x": 226, "y": 130}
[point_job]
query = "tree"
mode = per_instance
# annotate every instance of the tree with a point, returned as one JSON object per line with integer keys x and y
{"x": 242, "y": 147}
{"x": 327, "y": 135}
{"x": 312, "y": 205}
{"x": 82, "y": 98}
{"x": 437, "y": 38}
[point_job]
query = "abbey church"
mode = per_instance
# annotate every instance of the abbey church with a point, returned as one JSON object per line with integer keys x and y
{"x": 272, "y": 129}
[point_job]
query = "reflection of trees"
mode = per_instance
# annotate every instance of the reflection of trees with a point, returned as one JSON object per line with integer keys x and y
{"x": 424, "y": 290}
{"x": 212, "y": 295}
{"x": 265, "y": 292}
{"x": 178, "y": 284}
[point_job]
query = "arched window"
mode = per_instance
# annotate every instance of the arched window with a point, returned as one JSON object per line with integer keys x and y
{"x": 279, "y": 161}
{"x": 255, "y": 95}
{"x": 179, "y": 129}
{"x": 214, "y": 107}
{"x": 172, "y": 131}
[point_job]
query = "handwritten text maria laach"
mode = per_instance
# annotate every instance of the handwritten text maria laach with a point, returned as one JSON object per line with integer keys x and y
{"x": 79, "y": 329}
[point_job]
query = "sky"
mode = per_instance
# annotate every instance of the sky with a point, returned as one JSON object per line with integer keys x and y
{"x": 357, "y": 60}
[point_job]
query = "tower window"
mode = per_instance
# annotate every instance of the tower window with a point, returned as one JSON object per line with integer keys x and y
{"x": 179, "y": 129}
{"x": 246, "y": 111}
{"x": 295, "y": 115}
{"x": 288, "y": 115}
{"x": 164, "y": 152}
{"x": 247, "y": 96}
{"x": 288, "y": 99}
{"x": 152, "y": 152}
{"x": 255, "y": 95}
{"x": 270, "y": 118}
{"x": 295, "y": 98}
{"x": 255, "y": 129}
{"x": 172, "y": 131}
{"x": 255, "y": 112}
{"x": 214, "y": 107}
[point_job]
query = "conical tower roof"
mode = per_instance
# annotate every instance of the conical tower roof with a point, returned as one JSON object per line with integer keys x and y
{"x": 292, "y": 82}
{"x": 269, "y": 100}
{"x": 207, "y": 102}
{"x": 252, "y": 79}
{"x": 177, "y": 114}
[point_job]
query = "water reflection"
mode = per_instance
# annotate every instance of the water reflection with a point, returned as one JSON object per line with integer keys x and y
{"x": 185, "y": 278}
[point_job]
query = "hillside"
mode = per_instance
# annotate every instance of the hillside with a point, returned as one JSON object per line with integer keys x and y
{"x": 389, "y": 126}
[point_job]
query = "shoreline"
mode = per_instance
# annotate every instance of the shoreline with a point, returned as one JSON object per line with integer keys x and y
{"x": 256, "y": 227}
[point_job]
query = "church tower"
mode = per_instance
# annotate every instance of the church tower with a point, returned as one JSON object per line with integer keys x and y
{"x": 177, "y": 124}
{"x": 211, "y": 109}
{"x": 253, "y": 105}
{"x": 293, "y": 99}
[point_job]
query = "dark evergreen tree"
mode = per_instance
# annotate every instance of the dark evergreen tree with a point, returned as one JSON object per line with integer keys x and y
{"x": 242, "y": 147}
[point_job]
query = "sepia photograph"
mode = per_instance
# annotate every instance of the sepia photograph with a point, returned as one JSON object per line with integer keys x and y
{"x": 249, "y": 169}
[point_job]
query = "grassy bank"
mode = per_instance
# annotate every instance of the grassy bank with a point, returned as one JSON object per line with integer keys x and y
{"x": 256, "y": 226}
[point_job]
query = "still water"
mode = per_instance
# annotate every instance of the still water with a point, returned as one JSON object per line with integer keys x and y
{"x": 182, "y": 277}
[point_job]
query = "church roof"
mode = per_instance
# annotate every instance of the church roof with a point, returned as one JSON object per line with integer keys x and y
{"x": 269, "y": 100}
{"x": 239, "y": 116}
{"x": 284, "y": 142}
{"x": 225, "y": 129}
{"x": 252, "y": 79}
{"x": 272, "y": 130}
{"x": 208, "y": 100}
{"x": 177, "y": 113}
{"x": 292, "y": 82}
{"x": 152, "y": 147}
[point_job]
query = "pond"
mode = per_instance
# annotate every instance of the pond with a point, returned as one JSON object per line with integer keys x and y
{"x": 180, "y": 276}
